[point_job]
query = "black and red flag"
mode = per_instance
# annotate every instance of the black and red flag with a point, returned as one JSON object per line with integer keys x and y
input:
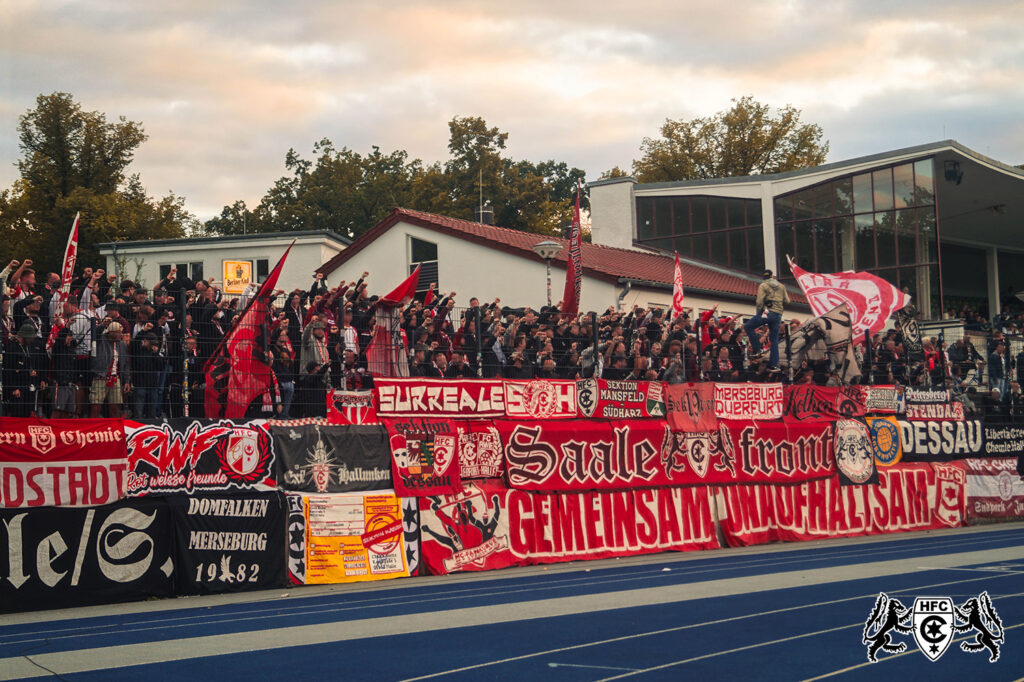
{"x": 240, "y": 369}
{"x": 574, "y": 266}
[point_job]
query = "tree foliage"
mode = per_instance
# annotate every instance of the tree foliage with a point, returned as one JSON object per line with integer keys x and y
{"x": 76, "y": 161}
{"x": 347, "y": 192}
{"x": 744, "y": 140}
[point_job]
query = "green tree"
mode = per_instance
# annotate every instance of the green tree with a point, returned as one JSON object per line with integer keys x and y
{"x": 744, "y": 140}
{"x": 76, "y": 161}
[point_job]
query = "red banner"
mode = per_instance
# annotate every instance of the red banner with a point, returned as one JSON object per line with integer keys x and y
{"x": 748, "y": 401}
{"x": 603, "y": 455}
{"x": 604, "y": 399}
{"x": 351, "y": 407}
{"x": 61, "y": 462}
{"x": 424, "y": 456}
{"x": 691, "y": 407}
{"x": 994, "y": 488}
{"x": 487, "y": 526}
{"x": 945, "y": 411}
{"x": 473, "y": 399}
{"x": 540, "y": 399}
{"x": 480, "y": 452}
{"x": 823, "y": 403}
{"x": 908, "y": 497}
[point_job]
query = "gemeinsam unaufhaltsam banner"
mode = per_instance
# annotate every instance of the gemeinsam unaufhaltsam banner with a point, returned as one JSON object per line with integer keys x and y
{"x": 994, "y": 488}
{"x": 61, "y": 462}
{"x": 192, "y": 455}
{"x": 604, "y": 399}
{"x": 488, "y": 526}
{"x": 908, "y": 497}
{"x": 229, "y": 543}
{"x": 941, "y": 440}
{"x": 314, "y": 458}
{"x": 1003, "y": 439}
{"x": 58, "y": 557}
{"x": 591, "y": 454}
{"x": 439, "y": 398}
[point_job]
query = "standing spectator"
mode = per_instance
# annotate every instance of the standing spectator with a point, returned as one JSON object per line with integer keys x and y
{"x": 146, "y": 366}
{"x": 24, "y": 365}
{"x": 998, "y": 368}
{"x": 769, "y": 304}
{"x": 110, "y": 372}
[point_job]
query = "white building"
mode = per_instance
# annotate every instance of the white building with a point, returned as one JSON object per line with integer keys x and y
{"x": 233, "y": 260}
{"x": 474, "y": 259}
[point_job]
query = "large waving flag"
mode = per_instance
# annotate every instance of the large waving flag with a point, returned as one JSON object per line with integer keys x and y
{"x": 62, "y": 295}
{"x": 387, "y": 354}
{"x": 574, "y": 267}
{"x": 829, "y": 335}
{"x": 870, "y": 300}
{"x": 677, "y": 291}
{"x": 240, "y": 369}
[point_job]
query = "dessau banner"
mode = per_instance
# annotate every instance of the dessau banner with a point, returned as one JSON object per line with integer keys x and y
{"x": 354, "y": 537}
{"x": 994, "y": 488}
{"x": 316, "y": 458}
{"x": 941, "y": 440}
{"x": 470, "y": 399}
{"x": 61, "y": 462}
{"x": 602, "y": 455}
{"x": 229, "y": 543}
{"x": 424, "y": 455}
{"x": 691, "y": 407}
{"x": 191, "y": 455}
{"x": 749, "y": 401}
{"x": 908, "y": 497}
{"x": 488, "y": 526}
{"x": 57, "y": 557}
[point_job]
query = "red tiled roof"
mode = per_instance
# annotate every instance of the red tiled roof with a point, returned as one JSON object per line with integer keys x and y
{"x": 603, "y": 262}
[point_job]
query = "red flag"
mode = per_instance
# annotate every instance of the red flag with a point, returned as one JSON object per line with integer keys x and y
{"x": 870, "y": 299}
{"x": 405, "y": 290}
{"x": 62, "y": 295}
{"x": 239, "y": 370}
{"x": 677, "y": 291}
{"x": 574, "y": 266}
{"x": 429, "y": 298}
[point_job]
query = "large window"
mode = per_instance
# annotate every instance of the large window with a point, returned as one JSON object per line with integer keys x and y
{"x": 720, "y": 230}
{"x": 882, "y": 221}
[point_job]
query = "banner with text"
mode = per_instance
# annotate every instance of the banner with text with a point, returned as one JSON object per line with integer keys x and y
{"x": 941, "y": 440}
{"x": 58, "y": 557}
{"x": 332, "y": 459}
{"x": 425, "y": 455}
{"x": 908, "y": 497}
{"x": 467, "y": 530}
{"x": 354, "y": 537}
{"x": 61, "y": 462}
{"x": 886, "y": 399}
{"x": 540, "y": 399}
{"x": 691, "y": 407}
{"x": 947, "y": 411}
{"x": 604, "y": 399}
{"x": 351, "y": 407}
{"x": 749, "y": 401}
{"x": 994, "y": 488}
{"x": 470, "y": 399}
{"x": 191, "y": 455}
{"x": 229, "y": 543}
{"x": 1003, "y": 439}
{"x": 824, "y": 403}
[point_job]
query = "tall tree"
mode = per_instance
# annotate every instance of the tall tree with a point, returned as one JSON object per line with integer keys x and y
{"x": 744, "y": 140}
{"x": 76, "y": 161}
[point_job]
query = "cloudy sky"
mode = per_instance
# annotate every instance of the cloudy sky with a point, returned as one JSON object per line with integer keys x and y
{"x": 224, "y": 88}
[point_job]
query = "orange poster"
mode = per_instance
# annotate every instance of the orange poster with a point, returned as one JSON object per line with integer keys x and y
{"x": 354, "y": 537}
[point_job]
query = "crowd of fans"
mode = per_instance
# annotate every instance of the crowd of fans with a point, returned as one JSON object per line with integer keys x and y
{"x": 115, "y": 348}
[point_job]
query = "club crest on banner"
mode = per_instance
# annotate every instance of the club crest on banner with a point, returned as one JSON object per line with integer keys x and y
{"x": 885, "y": 442}
{"x": 950, "y": 480}
{"x": 43, "y": 438}
{"x": 586, "y": 396}
{"x": 854, "y": 456}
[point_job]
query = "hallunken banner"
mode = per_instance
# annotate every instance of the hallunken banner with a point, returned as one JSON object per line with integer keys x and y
{"x": 1004, "y": 440}
{"x": 748, "y": 401}
{"x": 941, "y": 441}
{"x": 540, "y": 399}
{"x": 946, "y": 411}
{"x": 58, "y": 557}
{"x": 691, "y": 407}
{"x": 315, "y": 458}
{"x": 466, "y": 530}
{"x": 824, "y": 403}
{"x": 908, "y": 497}
{"x": 471, "y": 399}
{"x": 61, "y": 462}
{"x": 589, "y": 454}
{"x": 604, "y": 399}
{"x": 425, "y": 455}
{"x": 229, "y": 543}
{"x": 994, "y": 488}
{"x": 191, "y": 455}
{"x": 354, "y": 537}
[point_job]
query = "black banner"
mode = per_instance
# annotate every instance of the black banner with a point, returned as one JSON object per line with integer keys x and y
{"x": 941, "y": 440}
{"x": 411, "y": 533}
{"x": 58, "y": 557}
{"x": 332, "y": 459}
{"x": 296, "y": 538}
{"x": 1003, "y": 439}
{"x": 229, "y": 543}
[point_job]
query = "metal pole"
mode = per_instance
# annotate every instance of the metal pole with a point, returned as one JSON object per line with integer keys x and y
{"x": 789, "y": 354}
{"x": 479, "y": 342}
{"x": 942, "y": 355}
{"x": 594, "y": 335}
{"x": 867, "y": 356}
{"x": 186, "y": 392}
{"x": 700, "y": 352}
{"x": 548, "y": 261}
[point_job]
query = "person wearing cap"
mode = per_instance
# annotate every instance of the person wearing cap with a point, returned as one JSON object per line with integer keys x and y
{"x": 110, "y": 372}
{"x": 769, "y": 306}
{"x": 24, "y": 367}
